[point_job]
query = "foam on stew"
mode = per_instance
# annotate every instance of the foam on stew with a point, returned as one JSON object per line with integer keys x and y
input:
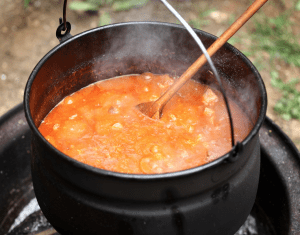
{"x": 100, "y": 126}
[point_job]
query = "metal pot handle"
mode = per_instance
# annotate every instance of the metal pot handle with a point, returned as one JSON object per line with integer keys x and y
{"x": 236, "y": 147}
{"x": 63, "y": 26}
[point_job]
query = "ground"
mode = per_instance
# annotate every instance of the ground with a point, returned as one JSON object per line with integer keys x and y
{"x": 28, "y": 34}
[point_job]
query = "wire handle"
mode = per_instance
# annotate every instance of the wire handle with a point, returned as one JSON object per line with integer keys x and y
{"x": 65, "y": 14}
{"x": 64, "y": 26}
{"x": 203, "y": 49}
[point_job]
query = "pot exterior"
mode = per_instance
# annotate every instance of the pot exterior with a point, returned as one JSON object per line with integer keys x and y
{"x": 78, "y": 199}
{"x": 220, "y": 210}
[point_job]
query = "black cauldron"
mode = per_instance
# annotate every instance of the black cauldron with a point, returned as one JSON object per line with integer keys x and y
{"x": 215, "y": 198}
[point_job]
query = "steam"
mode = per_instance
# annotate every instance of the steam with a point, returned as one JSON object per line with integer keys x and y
{"x": 149, "y": 47}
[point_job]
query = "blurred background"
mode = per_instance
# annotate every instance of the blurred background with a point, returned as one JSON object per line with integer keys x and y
{"x": 271, "y": 40}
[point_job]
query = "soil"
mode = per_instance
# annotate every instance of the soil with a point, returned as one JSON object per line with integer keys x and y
{"x": 27, "y": 34}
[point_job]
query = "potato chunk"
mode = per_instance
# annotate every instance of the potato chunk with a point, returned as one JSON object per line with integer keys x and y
{"x": 209, "y": 97}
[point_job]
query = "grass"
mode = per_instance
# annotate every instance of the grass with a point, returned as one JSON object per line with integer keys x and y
{"x": 95, "y": 5}
{"x": 202, "y": 19}
{"x": 115, "y": 5}
{"x": 271, "y": 35}
{"x": 26, "y": 3}
{"x": 275, "y": 37}
{"x": 288, "y": 106}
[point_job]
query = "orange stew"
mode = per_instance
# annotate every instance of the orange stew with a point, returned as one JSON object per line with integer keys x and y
{"x": 100, "y": 126}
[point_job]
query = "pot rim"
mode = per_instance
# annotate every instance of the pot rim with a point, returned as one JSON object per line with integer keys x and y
{"x": 99, "y": 171}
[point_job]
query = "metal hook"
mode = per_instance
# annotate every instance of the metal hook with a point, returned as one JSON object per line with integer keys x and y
{"x": 63, "y": 26}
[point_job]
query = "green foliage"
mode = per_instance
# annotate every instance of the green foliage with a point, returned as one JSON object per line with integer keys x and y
{"x": 26, "y": 3}
{"x": 259, "y": 63}
{"x": 83, "y": 6}
{"x": 95, "y": 5}
{"x": 127, "y": 5}
{"x": 288, "y": 106}
{"x": 231, "y": 19}
{"x": 297, "y": 7}
{"x": 117, "y": 5}
{"x": 201, "y": 20}
{"x": 104, "y": 19}
{"x": 274, "y": 35}
{"x": 234, "y": 40}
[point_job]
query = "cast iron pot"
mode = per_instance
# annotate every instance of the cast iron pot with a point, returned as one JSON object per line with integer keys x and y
{"x": 215, "y": 198}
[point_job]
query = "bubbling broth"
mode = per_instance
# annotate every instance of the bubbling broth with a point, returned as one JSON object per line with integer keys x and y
{"x": 100, "y": 126}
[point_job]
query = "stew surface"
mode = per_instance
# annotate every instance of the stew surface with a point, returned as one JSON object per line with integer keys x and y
{"x": 100, "y": 126}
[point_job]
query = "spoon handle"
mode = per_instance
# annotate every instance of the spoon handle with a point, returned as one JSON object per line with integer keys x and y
{"x": 211, "y": 51}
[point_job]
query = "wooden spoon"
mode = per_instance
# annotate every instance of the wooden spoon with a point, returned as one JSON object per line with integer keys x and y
{"x": 154, "y": 109}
